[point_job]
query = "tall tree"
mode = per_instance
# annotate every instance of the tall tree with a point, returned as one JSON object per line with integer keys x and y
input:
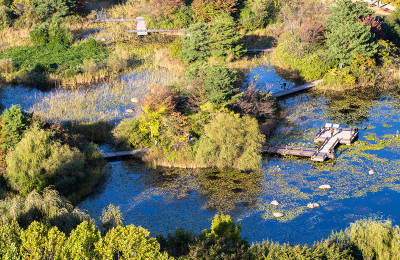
{"x": 345, "y": 11}
{"x": 348, "y": 39}
{"x": 218, "y": 39}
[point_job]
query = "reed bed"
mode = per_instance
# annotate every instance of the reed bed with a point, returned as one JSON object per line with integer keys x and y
{"x": 107, "y": 102}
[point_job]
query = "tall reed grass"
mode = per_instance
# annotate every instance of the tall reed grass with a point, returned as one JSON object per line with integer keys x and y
{"x": 107, "y": 102}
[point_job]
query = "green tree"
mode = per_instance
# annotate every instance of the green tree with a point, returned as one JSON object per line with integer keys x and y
{"x": 231, "y": 141}
{"x": 376, "y": 240}
{"x": 218, "y": 39}
{"x": 10, "y": 240}
{"x": 129, "y": 242}
{"x": 258, "y": 13}
{"x": 13, "y": 124}
{"x": 217, "y": 81}
{"x": 38, "y": 161}
{"x": 81, "y": 243}
{"x": 221, "y": 242}
{"x": 41, "y": 241}
{"x": 349, "y": 39}
{"x": 346, "y": 11}
{"x": 111, "y": 218}
{"x": 224, "y": 226}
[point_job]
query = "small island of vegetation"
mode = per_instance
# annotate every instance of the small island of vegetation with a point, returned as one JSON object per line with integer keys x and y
{"x": 206, "y": 117}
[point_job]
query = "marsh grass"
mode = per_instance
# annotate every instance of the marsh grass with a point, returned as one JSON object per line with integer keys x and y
{"x": 47, "y": 207}
{"x": 12, "y": 37}
{"x": 107, "y": 102}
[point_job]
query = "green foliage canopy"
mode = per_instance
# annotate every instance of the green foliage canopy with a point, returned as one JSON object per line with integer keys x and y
{"x": 218, "y": 39}
{"x": 216, "y": 80}
{"x": 231, "y": 141}
{"x": 349, "y": 39}
{"x": 346, "y": 11}
{"x": 38, "y": 161}
{"x": 14, "y": 122}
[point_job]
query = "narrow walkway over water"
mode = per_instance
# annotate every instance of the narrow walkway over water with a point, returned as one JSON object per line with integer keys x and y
{"x": 119, "y": 155}
{"x": 287, "y": 92}
{"x": 330, "y": 138}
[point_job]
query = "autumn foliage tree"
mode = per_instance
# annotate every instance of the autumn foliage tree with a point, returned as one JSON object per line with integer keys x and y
{"x": 376, "y": 26}
{"x": 165, "y": 8}
{"x": 206, "y": 10}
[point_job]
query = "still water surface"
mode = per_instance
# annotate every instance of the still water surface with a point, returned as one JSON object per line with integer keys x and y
{"x": 162, "y": 200}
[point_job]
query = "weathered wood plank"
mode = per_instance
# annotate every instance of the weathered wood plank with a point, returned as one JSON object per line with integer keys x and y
{"x": 120, "y": 154}
{"x": 296, "y": 89}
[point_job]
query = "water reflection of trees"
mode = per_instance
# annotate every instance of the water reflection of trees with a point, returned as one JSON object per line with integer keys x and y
{"x": 224, "y": 191}
{"x": 350, "y": 108}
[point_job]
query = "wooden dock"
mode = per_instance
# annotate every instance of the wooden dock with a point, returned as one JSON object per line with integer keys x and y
{"x": 123, "y": 154}
{"x": 327, "y": 149}
{"x": 287, "y": 92}
{"x": 322, "y": 152}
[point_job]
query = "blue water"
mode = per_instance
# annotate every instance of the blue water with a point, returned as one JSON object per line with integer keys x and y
{"x": 162, "y": 200}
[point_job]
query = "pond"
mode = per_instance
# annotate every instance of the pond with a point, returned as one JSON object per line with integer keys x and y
{"x": 161, "y": 200}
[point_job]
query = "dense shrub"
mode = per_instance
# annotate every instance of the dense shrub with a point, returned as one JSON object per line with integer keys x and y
{"x": 5, "y": 17}
{"x": 111, "y": 218}
{"x": 255, "y": 103}
{"x": 258, "y": 13}
{"x": 216, "y": 81}
{"x": 223, "y": 241}
{"x": 55, "y": 58}
{"x": 38, "y": 161}
{"x": 363, "y": 240}
{"x": 184, "y": 17}
{"x": 176, "y": 244}
{"x": 309, "y": 66}
{"x": 231, "y": 141}
{"x": 129, "y": 242}
{"x": 41, "y": 241}
{"x": 376, "y": 240}
{"x": 37, "y": 10}
{"x": 55, "y": 33}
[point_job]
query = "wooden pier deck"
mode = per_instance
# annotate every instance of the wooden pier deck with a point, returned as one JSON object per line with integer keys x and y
{"x": 118, "y": 155}
{"x": 322, "y": 152}
{"x": 296, "y": 89}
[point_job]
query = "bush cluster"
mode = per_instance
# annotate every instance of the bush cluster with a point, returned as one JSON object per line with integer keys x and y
{"x": 39, "y": 155}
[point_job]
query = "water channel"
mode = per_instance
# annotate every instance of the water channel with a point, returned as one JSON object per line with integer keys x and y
{"x": 161, "y": 200}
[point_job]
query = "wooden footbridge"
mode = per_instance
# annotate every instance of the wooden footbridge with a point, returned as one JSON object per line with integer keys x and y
{"x": 330, "y": 136}
{"x": 124, "y": 154}
{"x": 291, "y": 91}
{"x": 141, "y": 28}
